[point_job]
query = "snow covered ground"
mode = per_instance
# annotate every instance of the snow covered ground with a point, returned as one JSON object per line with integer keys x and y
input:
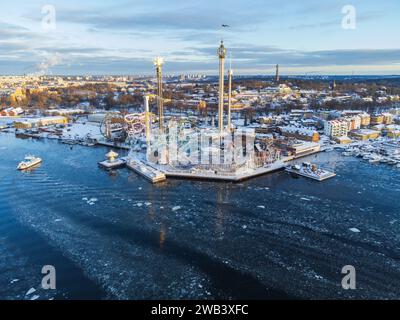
{"x": 82, "y": 130}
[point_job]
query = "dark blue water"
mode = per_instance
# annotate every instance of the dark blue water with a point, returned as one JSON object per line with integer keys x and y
{"x": 267, "y": 238}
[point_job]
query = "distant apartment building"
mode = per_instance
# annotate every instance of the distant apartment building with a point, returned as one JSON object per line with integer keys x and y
{"x": 11, "y": 112}
{"x": 64, "y": 112}
{"x": 365, "y": 134}
{"x": 300, "y": 133}
{"x": 376, "y": 119}
{"x": 351, "y": 113}
{"x": 395, "y": 111}
{"x": 266, "y": 120}
{"x": 343, "y": 140}
{"x": 353, "y": 123}
{"x": 365, "y": 119}
{"x": 300, "y": 113}
{"x": 394, "y": 134}
{"x": 303, "y": 148}
{"x": 40, "y": 122}
{"x": 336, "y": 128}
{"x": 387, "y": 118}
{"x": 324, "y": 115}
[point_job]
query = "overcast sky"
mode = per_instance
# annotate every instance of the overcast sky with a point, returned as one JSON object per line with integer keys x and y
{"x": 122, "y": 37}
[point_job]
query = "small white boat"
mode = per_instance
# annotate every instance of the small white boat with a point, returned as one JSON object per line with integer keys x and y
{"x": 29, "y": 162}
{"x": 375, "y": 159}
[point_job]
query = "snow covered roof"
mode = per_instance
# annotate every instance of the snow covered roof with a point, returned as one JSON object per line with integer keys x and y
{"x": 302, "y": 131}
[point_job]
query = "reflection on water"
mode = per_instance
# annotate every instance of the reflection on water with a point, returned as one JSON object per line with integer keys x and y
{"x": 112, "y": 234}
{"x": 163, "y": 236}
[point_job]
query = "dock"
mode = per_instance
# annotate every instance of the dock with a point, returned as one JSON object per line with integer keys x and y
{"x": 113, "y": 145}
{"x": 112, "y": 165}
{"x": 146, "y": 171}
{"x": 324, "y": 176}
{"x": 211, "y": 176}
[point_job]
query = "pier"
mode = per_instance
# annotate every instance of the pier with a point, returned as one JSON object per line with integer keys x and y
{"x": 212, "y": 176}
{"x": 112, "y": 145}
{"x": 114, "y": 165}
{"x": 146, "y": 171}
{"x": 112, "y": 162}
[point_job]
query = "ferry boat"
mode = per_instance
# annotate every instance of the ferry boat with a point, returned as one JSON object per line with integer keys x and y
{"x": 311, "y": 171}
{"x": 29, "y": 162}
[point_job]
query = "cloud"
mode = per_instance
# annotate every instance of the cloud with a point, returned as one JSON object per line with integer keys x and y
{"x": 16, "y": 32}
{"x": 368, "y": 16}
{"x": 118, "y": 37}
{"x": 178, "y": 16}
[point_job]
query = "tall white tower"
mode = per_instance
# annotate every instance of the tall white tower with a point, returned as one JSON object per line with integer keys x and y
{"x": 158, "y": 62}
{"x": 221, "y": 55}
{"x": 230, "y": 75}
{"x": 147, "y": 118}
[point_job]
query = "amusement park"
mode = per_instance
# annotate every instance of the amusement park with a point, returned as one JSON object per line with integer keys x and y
{"x": 161, "y": 147}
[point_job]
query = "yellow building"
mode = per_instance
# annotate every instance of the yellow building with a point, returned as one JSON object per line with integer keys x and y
{"x": 18, "y": 95}
{"x": 376, "y": 120}
{"x": 40, "y": 122}
{"x": 387, "y": 118}
{"x": 47, "y": 121}
{"x": 365, "y": 119}
{"x": 343, "y": 140}
{"x": 22, "y": 124}
{"x": 394, "y": 134}
{"x": 365, "y": 134}
{"x": 300, "y": 133}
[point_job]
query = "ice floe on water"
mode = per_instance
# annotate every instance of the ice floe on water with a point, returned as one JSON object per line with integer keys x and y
{"x": 91, "y": 201}
{"x": 105, "y": 256}
{"x": 159, "y": 255}
{"x": 30, "y": 291}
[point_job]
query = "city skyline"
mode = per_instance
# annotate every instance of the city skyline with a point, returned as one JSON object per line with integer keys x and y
{"x": 122, "y": 37}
